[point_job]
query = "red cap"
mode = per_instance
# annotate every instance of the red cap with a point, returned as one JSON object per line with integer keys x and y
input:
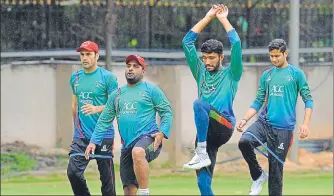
{"x": 137, "y": 58}
{"x": 88, "y": 45}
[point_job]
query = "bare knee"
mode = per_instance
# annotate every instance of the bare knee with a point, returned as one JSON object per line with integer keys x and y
{"x": 138, "y": 154}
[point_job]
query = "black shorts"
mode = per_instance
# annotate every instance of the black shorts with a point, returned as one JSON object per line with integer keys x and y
{"x": 126, "y": 162}
{"x": 219, "y": 132}
{"x": 105, "y": 150}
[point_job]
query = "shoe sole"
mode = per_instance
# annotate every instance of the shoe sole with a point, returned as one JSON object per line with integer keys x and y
{"x": 191, "y": 168}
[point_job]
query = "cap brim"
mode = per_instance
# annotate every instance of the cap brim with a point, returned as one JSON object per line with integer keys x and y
{"x": 131, "y": 57}
{"x": 139, "y": 60}
{"x": 84, "y": 48}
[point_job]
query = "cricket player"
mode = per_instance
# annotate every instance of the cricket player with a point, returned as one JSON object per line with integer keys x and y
{"x": 135, "y": 106}
{"x": 91, "y": 86}
{"x": 278, "y": 92}
{"x": 217, "y": 87}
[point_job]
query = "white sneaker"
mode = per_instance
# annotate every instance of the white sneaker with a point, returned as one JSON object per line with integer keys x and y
{"x": 256, "y": 187}
{"x": 199, "y": 161}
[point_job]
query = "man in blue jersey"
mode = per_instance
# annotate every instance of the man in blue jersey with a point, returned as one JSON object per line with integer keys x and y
{"x": 217, "y": 87}
{"x": 91, "y": 86}
{"x": 135, "y": 106}
{"x": 278, "y": 92}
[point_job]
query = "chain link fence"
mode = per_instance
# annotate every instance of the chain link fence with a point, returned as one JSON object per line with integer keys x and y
{"x": 154, "y": 25}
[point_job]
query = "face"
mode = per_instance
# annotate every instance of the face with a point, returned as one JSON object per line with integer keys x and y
{"x": 278, "y": 58}
{"x": 212, "y": 61}
{"x": 88, "y": 59}
{"x": 134, "y": 72}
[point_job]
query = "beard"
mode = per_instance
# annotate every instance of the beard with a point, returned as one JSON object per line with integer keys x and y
{"x": 215, "y": 68}
{"x": 133, "y": 79}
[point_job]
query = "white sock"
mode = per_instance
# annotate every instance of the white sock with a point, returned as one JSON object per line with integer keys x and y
{"x": 201, "y": 147}
{"x": 144, "y": 191}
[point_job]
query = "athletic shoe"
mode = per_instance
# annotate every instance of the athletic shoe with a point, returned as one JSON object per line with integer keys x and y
{"x": 256, "y": 187}
{"x": 199, "y": 161}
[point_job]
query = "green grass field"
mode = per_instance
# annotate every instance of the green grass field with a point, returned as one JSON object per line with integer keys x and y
{"x": 295, "y": 183}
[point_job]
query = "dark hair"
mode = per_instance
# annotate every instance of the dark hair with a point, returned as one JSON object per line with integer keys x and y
{"x": 212, "y": 46}
{"x": 277, "y": 44}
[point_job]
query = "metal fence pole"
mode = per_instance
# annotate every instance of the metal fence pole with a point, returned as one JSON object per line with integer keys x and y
{"x": 294, "y": 56}
{"x": 108, "y": 33}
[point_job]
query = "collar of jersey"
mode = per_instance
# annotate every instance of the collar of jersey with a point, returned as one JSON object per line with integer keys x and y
{"x": 91, "y": 72}
{"x": 137, "y": 84}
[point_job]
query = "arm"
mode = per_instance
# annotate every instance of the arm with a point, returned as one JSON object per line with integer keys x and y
{"x": 112, "y": 85}
{"x": 74, "y": 107}
{"x": 256, "y": 105}
{"x": 236, "y": 54}
{"x": 261, "y": 94}
{"x": 162, "y": 106}
{"x": 222, "y": 17}
{"x": 74, "y": 100}
{"x": 202, "y": 24}
{"x": 194, "y": 62}
{"x": 305, "y": 93}
{"x": 249, "y": 115}
{"x": 89, "y": 109}
{"x": 307, "y": 116}
{"x": 304, "y": 128}
{"x": 192, "y": 58}
{"x": 304, "y": 90}
{"x": 105, "y": 120}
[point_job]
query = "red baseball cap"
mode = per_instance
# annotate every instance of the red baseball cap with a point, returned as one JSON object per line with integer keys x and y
{"x": 137, "y": 58}
{"x": 88, "y": 45}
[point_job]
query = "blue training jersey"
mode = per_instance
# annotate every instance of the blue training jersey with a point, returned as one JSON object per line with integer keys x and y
{"x": 216, "y": 88}
{"x": 91, "y": 88}
{"x": 135, "y": 109}
{"x": 280, "y": 87}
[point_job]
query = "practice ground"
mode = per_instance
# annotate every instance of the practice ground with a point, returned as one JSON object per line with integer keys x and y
{"x": 295, "y": 183}
{"x": 29, "y": 171}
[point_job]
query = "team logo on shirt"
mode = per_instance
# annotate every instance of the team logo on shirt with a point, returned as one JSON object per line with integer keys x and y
{"x": 289, "y": 78}
{"x": 277, "y": 90}
{"x": 129, "y": 107}
{"x": 85, "y": 97}
{"x": 206, "y": 88}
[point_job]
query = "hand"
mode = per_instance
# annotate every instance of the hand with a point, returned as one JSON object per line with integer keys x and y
{"x": 241, "y": 124}
{"x": 223, "y": 12}
{"x": 213, "y": 11}
{"x": 90, "y": 148}
{"x": 158, "y": 137}
{"x": 303, "y": 131}
{"x": 89, "y": 109}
